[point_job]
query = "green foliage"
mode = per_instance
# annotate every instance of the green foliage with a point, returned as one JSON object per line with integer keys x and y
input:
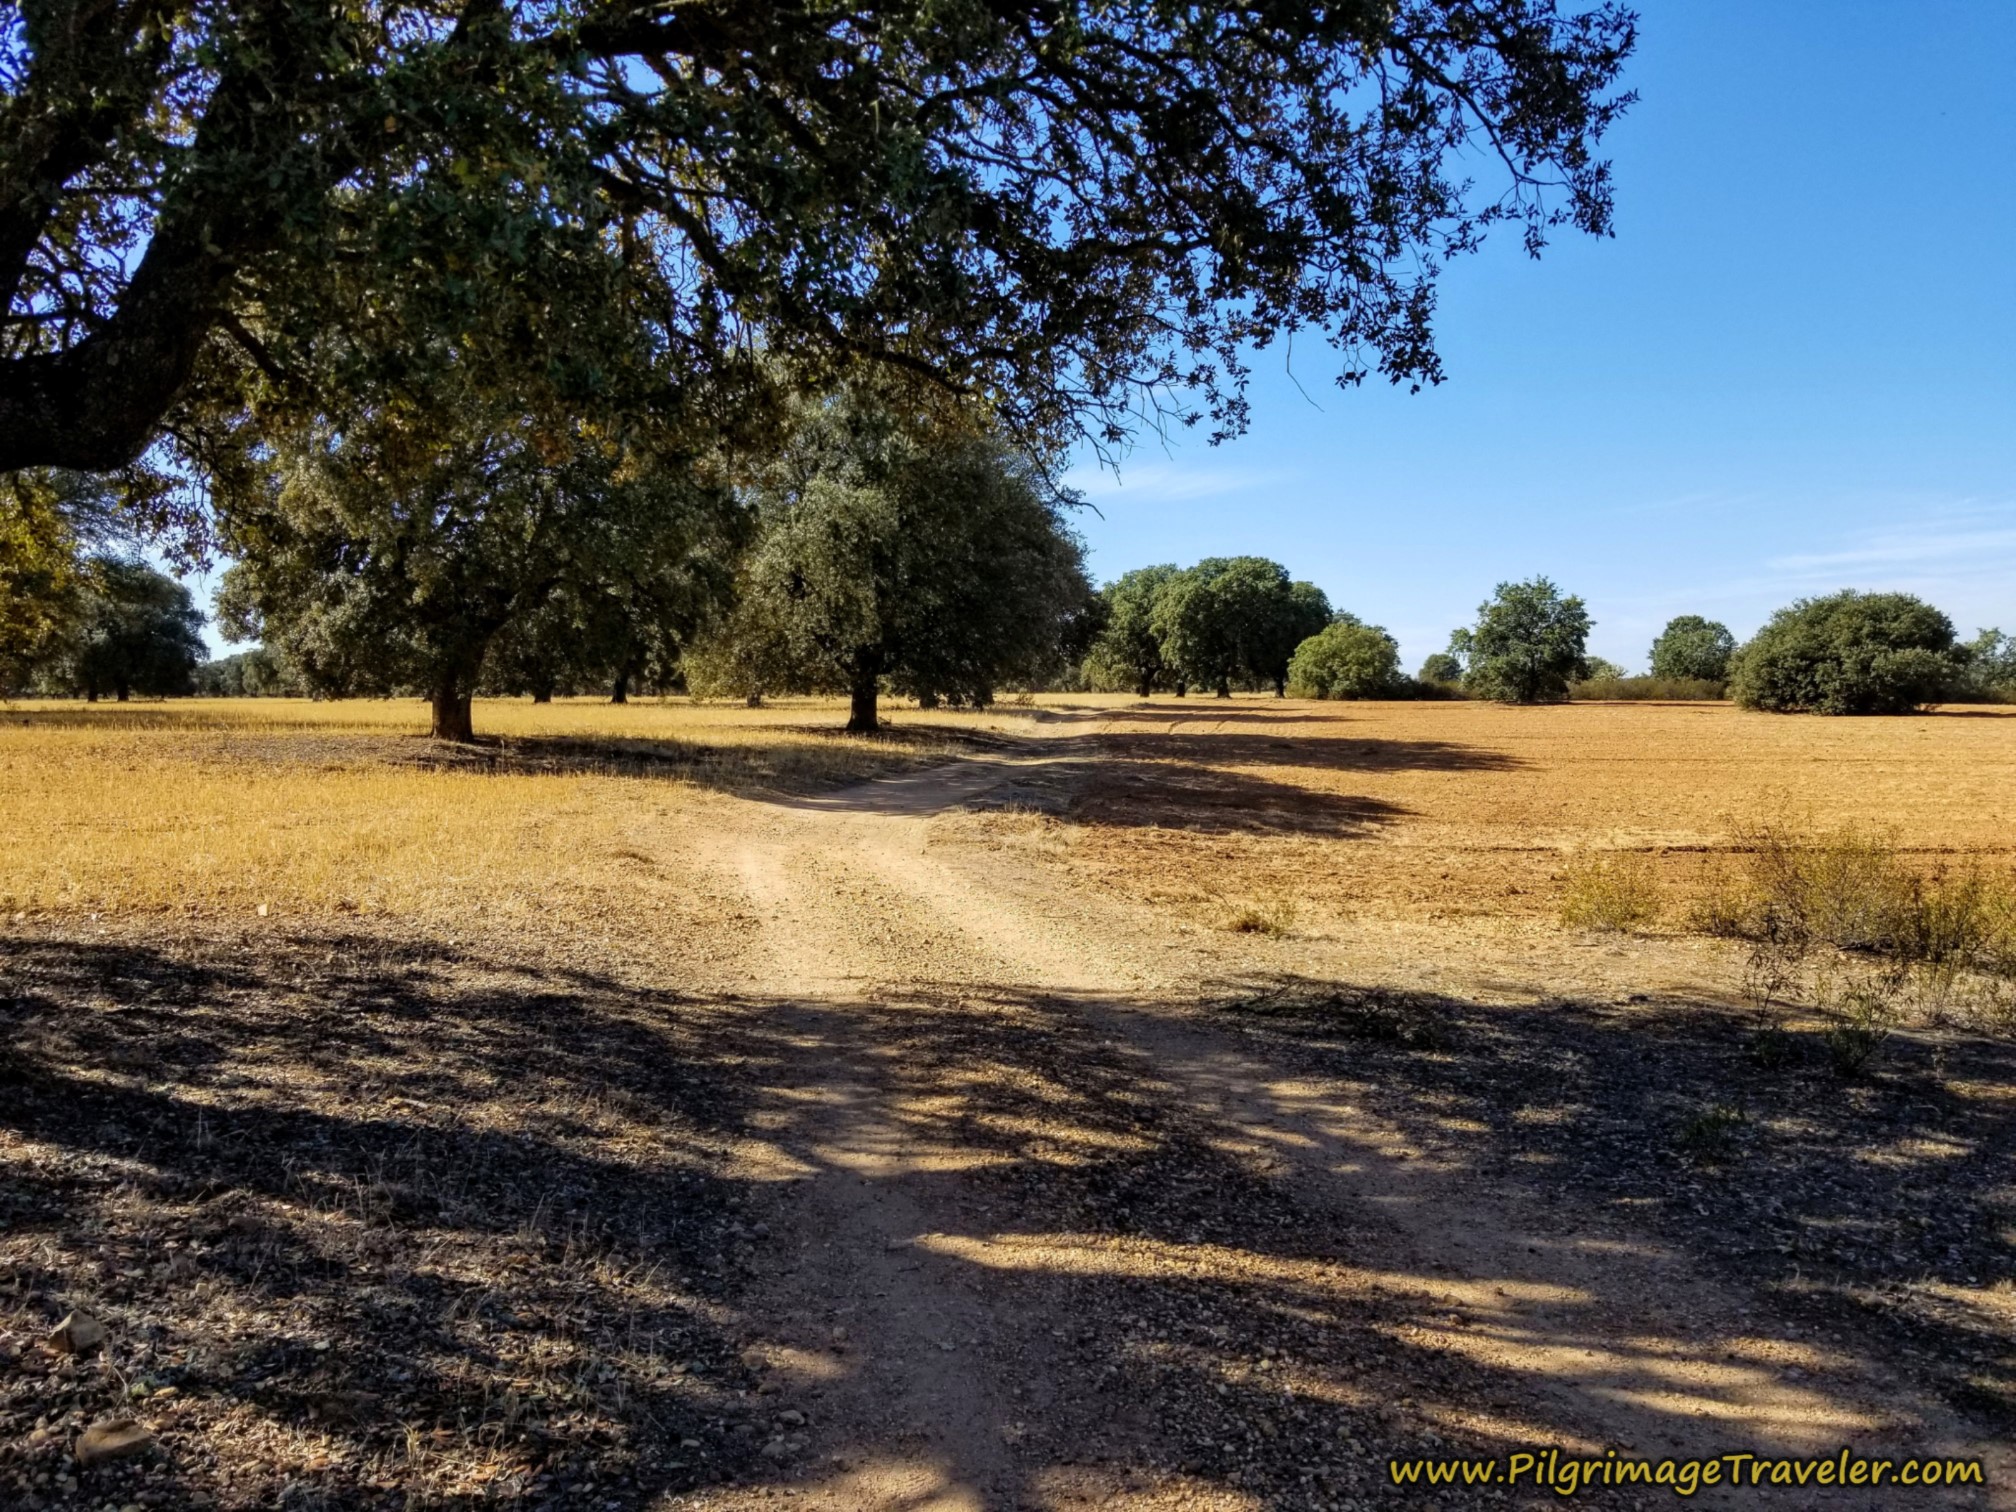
{"x": 1235, "y": 620}
{"x": 391, "y": 554}
{"x": 1990, "y": 674}
{"x": 900, "y": 544}
{"x": 137, "y": 631}
{"x": 1650, "y": 689}
{"x": 1128, "y": 651}
{"x": 40, "y": 591}
{"x": 1528, "y": 644}
{"x": 258, "y": 673}
{"x": 1596, "y": 669}
{"x": 1844, "y": 916}
{"x": 1710, "y": 1135}
{"x": 1346, "y": 659}
{"x": 1693, "y": 647}
{"x": 49, "y": 521}
{"x": 1616, "y": 892}
{"x": 1441, "y": 667}
{"x": 183, "y": 187}
{"x": 1850, "y": 653}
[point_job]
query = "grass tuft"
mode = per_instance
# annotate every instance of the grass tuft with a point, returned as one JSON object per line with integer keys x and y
{"x": 1617, "y": 893}
{"x": 1273, "y": 917}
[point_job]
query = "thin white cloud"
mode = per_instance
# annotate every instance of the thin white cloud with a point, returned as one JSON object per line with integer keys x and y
{"x": 1901, "y": 548}
{"x": 1172, "y": 482}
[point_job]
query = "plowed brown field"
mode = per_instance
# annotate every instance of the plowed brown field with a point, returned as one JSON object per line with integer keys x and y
{"x": 1445, "y": 810}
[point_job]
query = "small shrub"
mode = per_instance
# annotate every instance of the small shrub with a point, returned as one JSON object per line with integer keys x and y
{"x": 1661, "y": 689}
{"x": 1856, "y": 1038}
{"x": 1722, "y": 908}
{"x": 1618, "y": 892}
{"x": 1771, "y": 1048}
{"x": 1791, "y": 894}
{"x": 1272, "y": 917}
{"x": 1710, "y": 1135}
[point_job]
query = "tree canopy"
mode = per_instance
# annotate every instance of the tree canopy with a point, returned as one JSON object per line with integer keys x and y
{"x": 1440, "y": 667}
{"x": 899, "y": 546}
{"x": 1850, "y": 653}
{"x": 1074, "y": 210}
{"x": 1991, "y": 666}
{"x": 1128, "y": 651}
{"x": 393, "y": 552}
{"x": 1528, "y": 645}
{"x": 1346, "y": 659}
{"x": 1236, "y": 620}
{"x": 137, "y": 631}
{"x": 1691, "y": 646}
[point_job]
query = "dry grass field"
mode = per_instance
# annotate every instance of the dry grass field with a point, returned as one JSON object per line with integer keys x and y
{"x": 1409, "y": 811}
{"x": 304, "y": 809}
{"x": 1081, "y": 1104}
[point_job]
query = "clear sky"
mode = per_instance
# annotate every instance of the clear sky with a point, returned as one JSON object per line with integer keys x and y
{"x": 1792, "y": 370}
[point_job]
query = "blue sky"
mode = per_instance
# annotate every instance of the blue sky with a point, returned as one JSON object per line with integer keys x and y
{"x": 1792, "y": 370}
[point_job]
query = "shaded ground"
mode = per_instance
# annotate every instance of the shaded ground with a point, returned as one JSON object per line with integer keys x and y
{"x": 365, "y": 1221}
{"x": 1876, "y": 1208}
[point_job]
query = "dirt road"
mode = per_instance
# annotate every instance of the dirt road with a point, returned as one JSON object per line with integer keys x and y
{"x": 1043, "y": 1230}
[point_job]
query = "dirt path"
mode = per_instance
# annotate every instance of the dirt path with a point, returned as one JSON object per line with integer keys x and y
{"x": 1043, "y": 1234}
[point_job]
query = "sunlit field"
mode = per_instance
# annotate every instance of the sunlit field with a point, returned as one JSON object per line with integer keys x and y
{"x": 292, "y": 806}
{"x": 1478, "y": 812}
{"x": 1351, "y": 810}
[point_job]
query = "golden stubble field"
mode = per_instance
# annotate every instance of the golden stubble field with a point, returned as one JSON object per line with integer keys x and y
{"x": 249, "y": 809}
{"x": 576, "y": 813}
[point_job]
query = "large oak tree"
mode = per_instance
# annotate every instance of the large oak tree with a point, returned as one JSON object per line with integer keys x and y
{"x": 1078, "y": 210}
{"x": 906, "y": 546}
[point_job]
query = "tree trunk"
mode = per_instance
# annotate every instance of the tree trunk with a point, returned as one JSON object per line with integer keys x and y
{"x": 1280, "y": 687}
{"x": 1224, "y": 687}
{"x": 1144, "y": 687}
{"x": 1182, "y": 687}
{"x": 91, "y": 693}
{"x": 621, "y": 692}
{"x": 120, "y": 689}
{"x": 542, "y": 693}
{"x": 861, "y": 715}
{"x": 451, "y": 711}
{"x": 927, "y": 700}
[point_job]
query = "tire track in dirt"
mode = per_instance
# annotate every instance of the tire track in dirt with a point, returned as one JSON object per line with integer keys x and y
{"x": 853, "y": 1319}
{"x": 1613, "y": 1343}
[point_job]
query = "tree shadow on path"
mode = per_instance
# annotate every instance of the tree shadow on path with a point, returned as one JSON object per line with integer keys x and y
{"x": 395, "y": 1224}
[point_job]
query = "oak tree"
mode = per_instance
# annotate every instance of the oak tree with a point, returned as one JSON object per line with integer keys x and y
{"x": 901, "y": 545}
{"x": 1529, "y": 643}
{"x": 1075, "y": 210}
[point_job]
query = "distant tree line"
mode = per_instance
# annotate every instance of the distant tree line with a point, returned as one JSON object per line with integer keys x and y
{"x": 1845, "y": 653}
{"x": 1234, "y": 623}
{"x": 896, "y": 543}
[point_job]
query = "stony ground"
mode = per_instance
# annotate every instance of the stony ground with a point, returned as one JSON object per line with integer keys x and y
{"x": 936, "y": 1165}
